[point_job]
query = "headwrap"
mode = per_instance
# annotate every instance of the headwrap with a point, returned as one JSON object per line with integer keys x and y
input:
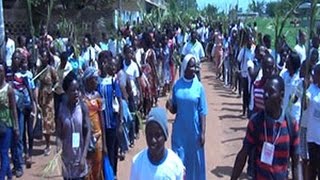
{"x": 90, "y": 72}
{"x": 159, "y": 116}
{"x": 185, "y": 62}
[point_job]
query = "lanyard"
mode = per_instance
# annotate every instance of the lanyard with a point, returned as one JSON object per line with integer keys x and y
{"x": 265, "y": 133}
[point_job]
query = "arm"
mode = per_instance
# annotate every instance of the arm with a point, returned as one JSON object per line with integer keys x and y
{"x": 239, "y": 163}
{"x": 103, "y": 130}
{"x": 87, "y": 137}
{"x": 203, "y": 129}
{"x": 203, "y": 111}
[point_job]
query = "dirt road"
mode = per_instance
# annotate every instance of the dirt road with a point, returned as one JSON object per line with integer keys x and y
{"x": 225, "y": 131}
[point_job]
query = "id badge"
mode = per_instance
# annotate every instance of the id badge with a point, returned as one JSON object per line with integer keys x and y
{"x": 75, "y": 140}
{"x": 267, "y": 153}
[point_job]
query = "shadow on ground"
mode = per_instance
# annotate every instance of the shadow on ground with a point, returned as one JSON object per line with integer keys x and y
{"x": 231, "y": 116}
{"x": 225, "y": 171}
{"x": 231, "y": 140}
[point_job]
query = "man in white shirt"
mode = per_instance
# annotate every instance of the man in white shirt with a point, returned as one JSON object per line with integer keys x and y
{"x": 293, "y": 87}
{"x": 195, "y": 48}
{"x": 10, "y": 48}
{"x": 157, "y": 161}
{"x": 245, "y": 55}
{"x": 132, "y": 69}
{"x": 313, "y": 124}
{"x": 300, "y": 47}
{"x": 88, "y": 54}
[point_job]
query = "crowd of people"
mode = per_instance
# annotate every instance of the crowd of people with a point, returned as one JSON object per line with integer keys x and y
{"x": 95, "y": 96}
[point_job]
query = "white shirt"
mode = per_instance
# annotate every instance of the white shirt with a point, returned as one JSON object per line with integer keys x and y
{"x": 313, "y": 135}
{"x": 293, "y": 87}
{"x": 244, "y": 56}
{"x": 170, "y": 169}
{"x": 301, "y": 50}
{"x": 195, "y": 49}
{"x": 10, "y": 48}
{"x": 133, "y": 73}
{"x": 112, "y": 47}
{"x": 138, "y": 55}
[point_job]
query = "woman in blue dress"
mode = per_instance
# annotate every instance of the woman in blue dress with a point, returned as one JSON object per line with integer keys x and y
{"x": 188, "y": 133}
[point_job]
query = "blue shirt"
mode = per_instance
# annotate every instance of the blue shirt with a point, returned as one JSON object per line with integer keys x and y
{"x": 109, "y": 87}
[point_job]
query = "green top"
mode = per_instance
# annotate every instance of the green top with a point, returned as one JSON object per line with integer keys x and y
{"x": 5, "y": 115}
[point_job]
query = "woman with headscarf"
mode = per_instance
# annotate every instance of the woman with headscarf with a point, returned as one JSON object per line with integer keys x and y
{"x": 94, "y": 102}
{"x": 188, "y": 133}
{"x": 156, "y": 161}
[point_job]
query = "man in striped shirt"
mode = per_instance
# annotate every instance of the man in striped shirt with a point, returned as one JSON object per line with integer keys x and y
{"x": 268, "y": 69}
{"x": 276, "y": 140}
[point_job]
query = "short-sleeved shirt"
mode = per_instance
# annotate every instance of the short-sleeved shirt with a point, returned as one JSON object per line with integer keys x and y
{"x": 195, "y": 49}
{"x": 284, "y": 146}
{"x": 244, "y": 56}
{"x": 108, "y": 88}
{"x": 171, "y": 167}
{"x": 293, "y": 87}
{"x": 313, "y": 135}
{"x": 133, "y": 73}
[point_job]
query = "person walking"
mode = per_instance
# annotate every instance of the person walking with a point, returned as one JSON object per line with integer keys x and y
{"x": 157, "y": 161}
{"x": 94, "y": 102}
{"x": 188, "y": 133}
{"x": 73, "y": 131}
{"x": 8, "y": 123}
{"x": 274, "y": 137}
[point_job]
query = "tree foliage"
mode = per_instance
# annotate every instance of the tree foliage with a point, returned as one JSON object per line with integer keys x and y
{"x": 257, "y": 6}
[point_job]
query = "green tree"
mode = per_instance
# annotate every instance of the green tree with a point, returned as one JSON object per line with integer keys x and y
{"x": 257, "y": 6}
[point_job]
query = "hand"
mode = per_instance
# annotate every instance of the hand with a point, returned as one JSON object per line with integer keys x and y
{"x": 202, "y": 139}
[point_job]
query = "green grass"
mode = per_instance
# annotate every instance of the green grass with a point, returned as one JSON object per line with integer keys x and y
{"x": 265, "y": 26}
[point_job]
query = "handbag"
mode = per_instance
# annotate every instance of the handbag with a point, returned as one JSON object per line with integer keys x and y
{"x": 107, "y": 169}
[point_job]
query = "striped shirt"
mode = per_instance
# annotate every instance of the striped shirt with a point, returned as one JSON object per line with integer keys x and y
{"x": 284, "y": 146}
{"x": 258, "y": 93}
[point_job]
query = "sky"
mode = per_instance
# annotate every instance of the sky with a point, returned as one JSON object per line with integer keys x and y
{"x": 224, "y": 4}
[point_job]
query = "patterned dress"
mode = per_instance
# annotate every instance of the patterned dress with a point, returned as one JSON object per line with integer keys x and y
{"x": 47, "y": 81}
{"x": 95, "y": 159}
{"x": 151, "y": 80}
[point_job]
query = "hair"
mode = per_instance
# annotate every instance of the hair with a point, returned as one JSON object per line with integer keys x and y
{"x": 64, "y": 56}
{"x": 294, "y": 59}
{"x": 104, "y": 55}
{"x": 68, "y": 80}
{"x": 45, "y": 50}
{"x": 20, "y": 40}
{"x": 267, "y": 39}
{"x": 275, "y": 78}
{"x": 126, "y": 48}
